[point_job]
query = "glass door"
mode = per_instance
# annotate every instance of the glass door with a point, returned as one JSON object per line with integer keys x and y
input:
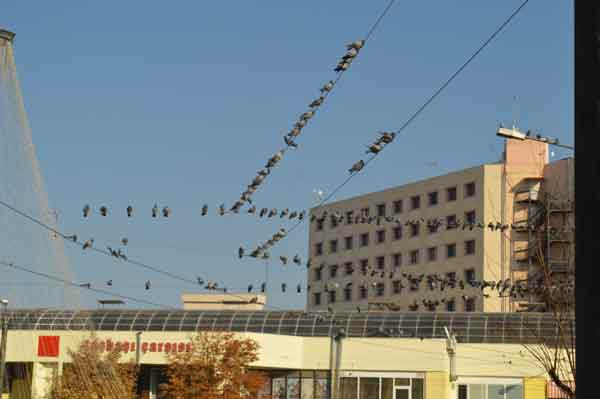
{"x": 402, "y": 393}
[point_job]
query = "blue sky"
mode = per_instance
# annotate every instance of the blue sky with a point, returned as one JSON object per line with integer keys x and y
{"x": 180, "y": 103}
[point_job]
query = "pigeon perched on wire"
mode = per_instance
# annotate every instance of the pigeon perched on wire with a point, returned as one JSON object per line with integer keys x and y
{"x": 302, "y": 215}
{"x": 357, "y": 45}
{"x": 300, "y": 124}
{"x": 155, "y": 211}
{"x": 293, "y": 215}
{"x": 374, "y": 149}
{"x": 148, "y": 285}
{"x": 241, "y": 252}
{"x": 350, "y": 54}
{"x": 327, "y": 87}
{"x": 283, "y": 259}
{"x": 166, "y": 211}
{"x": 284, "y": 213}
{"x": 307, "y": 115}
{"x": 86, "y": 210}
{"x": 103, "y": 210}
{"x": 342, "y": 66}
{"x": 129, "y": 211}
{"x": 86, "y": 285}
{"x": 222, "y": 209}
{"x": 317, "y": 103}
{"x": 386, "y": 137}
{"x": 289, "y": 142}
{"x": 88, "y": 243}
{"x": 112, "y": 252}
{"x": 109, "y": 283}
{"x": 263, "y": 287}
{"x": 299, "y": 288}
{"x": 357, "y": 167}
{"x": 204, "y": 210}
{"x": 200, "y": 280}
{"x": 297, "y": 260}
{"x": 272, "y": 213}
{"x": 250, "y": 287}
{"x": 263, "y": 212}
{"x": 121, "y": 255}
{"x": 295, "y": 132}
{"x": 252, "y": 210}
{"x": 283, "y": 287}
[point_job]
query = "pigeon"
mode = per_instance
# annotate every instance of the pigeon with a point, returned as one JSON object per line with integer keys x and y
{"x": 357, "y": 45}
{"x": 222, "y": 209}
{"x": 112, "y": 252}
{"x": 88, "y": 243}
{"x": 200, "y": 280}
{"x": 86, "y": 210}
{"x": 343, "y": 66}
{"x": 351, "y": 53}
{"x": 374, "y": 148}
{"x": 71, "y": 238}
{"x": 263, "y": 287}
{"x": 283, "y": 286}
{"x": 297, "y": 260}
{"x": 121, "y": 255}
{"x": 357, "y": 167}
{"x": 295, "y": 132}
{"x": 252, "y": 210}
{"x": 299, "y": 288}
{"x": 166, "y": 211}
{"x": 250, "y": 288}
{"x": 86, "y": 285}
{"x": 241, "y": 252}
{"x": 264, "y": 172}
{"x": 307, "y": 115}
{"x": 272, "y": 213}
{"x": 147, "y": 285}
{"x": 103, "y": 210}
{"x": 263, "y": 212}
{"x": 300, "y": 124}
{"x": 283, "y": 260}
{"x": 293, "y": 215}
{"x": 109, "y": 283}
{"x": 387, "y": 137}
{"x": 155, "y": 211}
{"x": 289, "y": 142}
{"x": 284, "y": 213}
{"x": 129, "y": 211}
{"x": 301, "y": 215}
{"x": 327, "y": 87}
{"x": 317, "y": 103}
{"x": 204, "y": 211}
{"x": 258, "y": 179}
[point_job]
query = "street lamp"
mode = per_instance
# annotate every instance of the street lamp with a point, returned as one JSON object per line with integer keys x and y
{"x": 515, "y": 134}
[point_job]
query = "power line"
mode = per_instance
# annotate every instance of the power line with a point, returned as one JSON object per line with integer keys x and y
{"x": 79, "y": 286}
{"x": 421, "y": 108}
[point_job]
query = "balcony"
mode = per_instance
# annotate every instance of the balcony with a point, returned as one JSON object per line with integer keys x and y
{"x": 558, "y": 265}
{"x": 526, "y": 196}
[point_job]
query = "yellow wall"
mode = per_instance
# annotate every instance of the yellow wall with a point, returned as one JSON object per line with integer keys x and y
{"x": 436, "y": 385}
{"x": 534, "y": 388}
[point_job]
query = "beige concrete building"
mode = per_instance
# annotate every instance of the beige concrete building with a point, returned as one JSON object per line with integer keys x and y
{"x": 223, "y": 301}
{"x": 357, "y": 264}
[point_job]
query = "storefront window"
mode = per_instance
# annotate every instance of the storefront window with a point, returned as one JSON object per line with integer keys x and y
{"x": 417, "y": 388}
{"x": 348, "y": 386}
{"x": 279, "y": 388}
{"x": 514, "y": 392}
{"x": 321, "y": 388}
{"x": 490, "y": 391}
{"x": 308, "y": 388}
{"x": 293, "y": 388}
{"x": 495, "y": 392}
{"x": 369, "y": 388}
{"x": 387, "y": 388}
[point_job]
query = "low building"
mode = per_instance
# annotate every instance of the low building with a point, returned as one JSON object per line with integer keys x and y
{"x": 223, "y": 301}
{"x": 367, "y": 355}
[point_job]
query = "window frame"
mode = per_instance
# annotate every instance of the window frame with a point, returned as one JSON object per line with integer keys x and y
{"x": 412, "y": 258}
{"x": 379, "y": 237}
{"x": 415, "y": 202}
{"x": 317, "y": 300}
{"x": 333, "y": 246}
{"x": 333, "y": 271}
{"x": 430, "y": 252}
{"x": 398, "y": 206}
{"x": 467, "y": 246}
{"x": 453, "y": 246}
{"x": 433, "y": 198}
{"x": 450, "y": 198}
{"x": 466, "y": 188}
{"x": 380, "y": 258}
{"x": 378, "y": 208}
{"x": 364, "y": 243}
{"x": 351, "y": 241}
{"x": 319, "y": 248}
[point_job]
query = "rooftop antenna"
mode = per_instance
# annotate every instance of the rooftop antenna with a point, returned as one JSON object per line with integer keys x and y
{"x": 515, "y": 105}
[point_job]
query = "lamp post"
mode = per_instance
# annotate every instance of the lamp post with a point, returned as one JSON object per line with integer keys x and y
{"x": 515, "y": 134}
{"x": 4, "y": 321}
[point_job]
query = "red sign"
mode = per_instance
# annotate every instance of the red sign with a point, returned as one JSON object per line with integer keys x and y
{"x": 48, "y": 346}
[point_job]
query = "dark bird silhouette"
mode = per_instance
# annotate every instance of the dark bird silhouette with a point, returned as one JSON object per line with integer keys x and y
{"x": 342, "y": 66}
{"x": 109, "y": 283}
{"x": 250, "y": 288}
{"x": 283, "y": 287}
{"x": 252, "y": 210}
{"x": 263, "y": 287}
{"x": 103, "y": 210}
{"x": 317, "y": 103}
{"x": 327, "y": 87}
{"x": 129, "y": 211}
{"x": 293, "y": 215}
{"x": 386, "y": 137}
{"x": 263, "y": 212}
{"x": 357, "y": 45}
{"x": 297, "y": 260}
{"x": 88, "y": 243}
{"x": 222, "y": 209}
{"x": 200, "y": 280}
{"x": 148, "y": 285}
{"x": 155, "y": 211}
{"x": 86, "y": 285}
{"x": 299, "y": 288}
{"x": 166, "y": 211}
{"x": 272, "y": 213}
{"x": 374, "y": 148}
{"x": 289, "y": 142}
{"x": 204, "y": 211}
{"x": 284, "y": 213}
{"x": 283, "y": 260}
{"x": 241, "y": 252}
{"x": 357, "y": 167}
{"x": 86, "y": 210}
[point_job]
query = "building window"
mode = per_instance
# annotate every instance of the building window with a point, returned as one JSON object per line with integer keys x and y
{"x": 349, "y": 217}
{"x": 397, "y": 259}
{"x": 364, "y": 239}
{"x": 432, "y": 198}
{"x": 433, "y": 226}
{"x": 451, "y": 276}
{"x": 470, "y": 189}
{"x": 470, "y": 305}
{"x": 381, "y": 210}
{"x": 491, "y": 391}
{"x": 348, "y": 294}
{"x": 450, "y": 250}
{"x": 318, "y": 274}
{"x": 320, "y": 224}
{"x": 397, "y": 233}
{"x": 414, "y": 257}
{"x": 319, "y": 249}
{"x": 334, "y": 221}
{"x": 333, "y": 246}
{"x": 396, "y": 286}
{"x": 364, "y": 266}
{"x": 380, "y": 289}
{"x": 450, "y": 305}
{"x": 333, "y": 271}
{"x": 348, "y": 268}
{"x": 470, "y": 275}
{"x": 470, "y": 217}
{"x": 470, "y": 247}
{"x": 451, "y": 194}
{"x": 380, "y": 236}
{"x": 451, "y": 222}
{"x": 365, "y": 212}
{"x": 398, "y": 205}
{"x": 348, "y": 242}
{"x": 432, "y": 254}
{"x": 363, "y": 292}
{"x": 317, "y": 298}
{"x": 414, "y": 229}
{"x": 415, "y": 202}
{"x": 380, "y": 261}
{"x": 331, "y": 296}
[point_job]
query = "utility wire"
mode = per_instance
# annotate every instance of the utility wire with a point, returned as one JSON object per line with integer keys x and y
{"x": 421, "y": 108}
{"x": 11, "y": 265}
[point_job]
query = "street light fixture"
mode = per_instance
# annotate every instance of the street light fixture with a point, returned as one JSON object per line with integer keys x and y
{"x": 515, "y": 134}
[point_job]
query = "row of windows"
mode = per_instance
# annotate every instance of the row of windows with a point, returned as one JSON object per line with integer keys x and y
{"x": 414, "y": 256}
{"x": 363, "y": 293}
{"x": 398, "y": 205}
{"x": 348, "y": 270}
{"x": 415, "y": 229}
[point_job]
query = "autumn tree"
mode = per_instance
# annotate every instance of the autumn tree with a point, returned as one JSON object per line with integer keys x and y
{"x": 95, "y": 374}
{"x": 216, "y": 366}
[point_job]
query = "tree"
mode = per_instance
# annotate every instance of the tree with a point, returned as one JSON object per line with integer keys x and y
{"x": 214, "y": 366}
{"x": 92, "y": 374}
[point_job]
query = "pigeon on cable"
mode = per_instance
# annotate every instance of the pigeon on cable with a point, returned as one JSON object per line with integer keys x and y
{"x": 289, "y": 142}
{"x": 109, "y": 283}
{"x": 88, "y": 243}
{"x": 283, "y": 286}
{"x": 283, "y": 259}
{"x": 86, "y": 285}
{"x": 237, "y": 206}
{"x": 241, "y": 252}
{"x": 342, "y": 66}
{"x": 200, "y": 280}
{"x": 86, "y": 210}
{"x": 357, "y": 167}
{"x": 71, "y": 238}
{"x": 250, "y": 287}
{"x": 263, "y": 287}
{"x": 293, "y": 215}
{"x": 374, "y": 149}
{"x": 103, "y": 210}
{"x": 263, "y": 212}
{"x": 357, "y": 45}
{"x": 148, "y": 285}
{"x": 204, "y": 211}
{"x": 327, "y": 87}
{"x": 317, "y": 103}
{"x": 155, "y": 211}
{"x": 129, "y": 211}
{"x": 258, "y": 179}
{"x": 122, "y": 255}
{"x": 299, "y": 288}
{"x": 112, "y": 252}
{"x": 295, "y": 132}
{"x": 307, "y": 115}
{"x": 275, "y": 159}
{"x": 300, "y": 124}
{"x": 272, "y": 212}
{"x": 297, "y": 260}
{"x": 301, "y": 215}
{"x": 222, "y": 209}
{"x": 252, "y": 210}
{"x": 351, "y": 53}
{"x": 166, "y": 211}
{"x": 284, "y": 212}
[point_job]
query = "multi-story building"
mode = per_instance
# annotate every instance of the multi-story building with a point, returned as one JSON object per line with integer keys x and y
{"x": 354, "y": 265}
